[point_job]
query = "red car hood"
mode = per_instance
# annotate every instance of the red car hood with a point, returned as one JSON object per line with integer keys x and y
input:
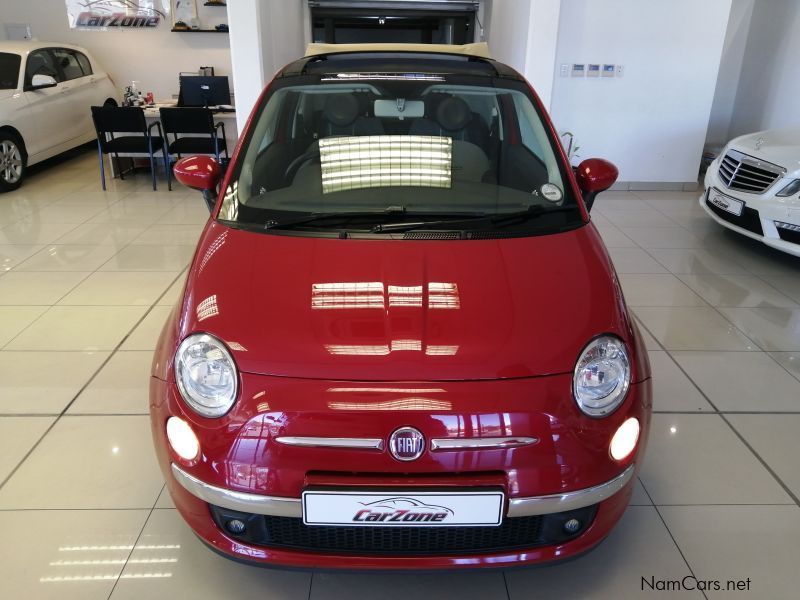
{"x": 403, "y": 310}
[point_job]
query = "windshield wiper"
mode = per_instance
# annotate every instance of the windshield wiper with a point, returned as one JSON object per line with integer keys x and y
{"x": 391, "y": 211}
{"x": 317, "y": 217}
{"x": 496, "y": 219}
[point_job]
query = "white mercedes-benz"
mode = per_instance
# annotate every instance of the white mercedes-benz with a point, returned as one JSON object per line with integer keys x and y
{"x": 753, "y": 187}
{"x": 46, "y": 92}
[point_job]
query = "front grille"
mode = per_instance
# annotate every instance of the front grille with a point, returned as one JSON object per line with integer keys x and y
{"x": 513, "y": 534}
{"x": 748, "y": 220}
{"x": 747, "y": 174}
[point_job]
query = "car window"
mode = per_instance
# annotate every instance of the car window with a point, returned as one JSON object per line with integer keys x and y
{"x": 440, "y": 145}
{"x": 68, "y": 63}
{"x": 86, "y": 66}
{"x": 9, "y": 70}
{"x": 41, "y": 62}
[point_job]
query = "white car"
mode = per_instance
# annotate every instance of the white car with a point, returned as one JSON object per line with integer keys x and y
{"x": 46, "y": 91}
{"x": 753, "y": 187}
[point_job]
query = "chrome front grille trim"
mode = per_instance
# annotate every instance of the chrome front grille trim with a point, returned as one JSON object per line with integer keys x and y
{"x": 332, "y": 442}
{"x": 482, "y": 443}
{"x": 747, "y": 174}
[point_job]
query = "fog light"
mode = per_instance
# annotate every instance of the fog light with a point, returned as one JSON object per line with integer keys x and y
{"x": 572, "y": 526}
{"x": 235, "y": 526}
{"x": 182, "y": 439}
{"x": 624, "y": 440}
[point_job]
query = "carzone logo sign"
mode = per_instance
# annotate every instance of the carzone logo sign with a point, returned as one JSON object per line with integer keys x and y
{"x": 401, "y": 510}
{"x": 130, "y": 14}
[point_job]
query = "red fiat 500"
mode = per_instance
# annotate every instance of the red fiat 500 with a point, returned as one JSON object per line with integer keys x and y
{"x": 402, "y": 343}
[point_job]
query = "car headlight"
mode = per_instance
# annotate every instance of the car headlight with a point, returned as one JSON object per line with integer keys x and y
{"x": 602, "y": 376}
{"x": 790, "y": 190}
{"x": 206, "y": 375}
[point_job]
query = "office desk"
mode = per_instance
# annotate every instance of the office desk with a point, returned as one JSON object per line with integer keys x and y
{"x": 152, "y": 115}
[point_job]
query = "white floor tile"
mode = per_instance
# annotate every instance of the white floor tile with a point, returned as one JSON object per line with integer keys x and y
{"x": 132, "y": 288}
{"x": 35, "y": 289}
{"x": 657, "y": 290}
{"x": 639, "y": 547}
{"x": 150, "y": 258}
{"x": 17, "y": 436}
{"x": 742, "y": 381}
{"x": 697, "y": 459}
{"x": 672, "y": 390}
{"x": 90, "y": 462}
{"x": 44, "y": 382}
{"x": 145, "y": 336}
{"x": 188, "y": 569}
{"x": 82, "y": 328}
{"x": 65, "y": 555}
{"x": 121, "y": 387}
{"x": 693, "y": 328}
{"x": 14, "y": 319}
{"x": 724, "y": 543}
{"x": 71, "y": 257}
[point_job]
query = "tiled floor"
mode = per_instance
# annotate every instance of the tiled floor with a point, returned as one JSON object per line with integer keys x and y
{"x": 87, "y": 278}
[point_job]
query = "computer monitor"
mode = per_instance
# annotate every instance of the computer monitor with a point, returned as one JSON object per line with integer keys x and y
{"x": 204, "y": 91}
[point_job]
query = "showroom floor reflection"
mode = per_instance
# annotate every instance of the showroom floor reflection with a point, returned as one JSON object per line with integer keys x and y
{"x": 87, "y": 278}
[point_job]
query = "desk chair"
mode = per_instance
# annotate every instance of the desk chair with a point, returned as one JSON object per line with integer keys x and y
{"x": 202, "y": 138}
{"x": 135, "y": 137}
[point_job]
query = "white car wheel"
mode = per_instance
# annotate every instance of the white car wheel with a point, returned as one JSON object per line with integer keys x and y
{"x": 12, "y": 162}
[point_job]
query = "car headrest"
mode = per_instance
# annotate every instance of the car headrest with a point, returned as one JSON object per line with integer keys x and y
{"x": 453, "y": 114}
{"x": 341, "y": 109}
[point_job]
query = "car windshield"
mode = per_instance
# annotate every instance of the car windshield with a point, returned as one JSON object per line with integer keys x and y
{"x": 9, "y": 70}
{"x": 387, "y": 153}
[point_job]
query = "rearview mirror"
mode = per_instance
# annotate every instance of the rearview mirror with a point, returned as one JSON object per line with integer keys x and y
{"x": 595, "y": 175}
{"x": 200, "y": 173}
{"x": 40, "y": 82}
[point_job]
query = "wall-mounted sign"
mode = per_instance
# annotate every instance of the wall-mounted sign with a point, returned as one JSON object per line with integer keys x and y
{"x": 117, "y": 14}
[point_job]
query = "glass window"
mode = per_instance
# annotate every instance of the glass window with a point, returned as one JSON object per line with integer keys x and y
{"x": 9, "y": 70}
{"x": 402, "y": 146}
{"x": 86, "y": 66}
{"x": 41, "y": 62}
{"x": 68, "y": 63}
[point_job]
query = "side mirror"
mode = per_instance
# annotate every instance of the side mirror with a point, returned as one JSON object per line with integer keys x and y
{"x": 595, "y": 175}
{"x": 200, "y": 173}
{"x": 40, "y": 82}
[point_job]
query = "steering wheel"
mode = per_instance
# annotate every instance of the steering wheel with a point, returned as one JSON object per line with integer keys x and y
{"x": 299, "y": 162}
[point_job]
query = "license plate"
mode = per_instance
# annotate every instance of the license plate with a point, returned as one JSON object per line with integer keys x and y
{"x": 726, "y": 203}
{"x": 398, "y": 509}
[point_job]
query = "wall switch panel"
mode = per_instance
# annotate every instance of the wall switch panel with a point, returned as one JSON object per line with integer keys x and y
{"x": 609, "y": 70}
{"x": 620, "y": 70}
{"x": 564, "y": 71}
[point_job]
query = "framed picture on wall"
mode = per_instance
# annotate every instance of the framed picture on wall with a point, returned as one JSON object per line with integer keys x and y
{"x": 185, "y": 11}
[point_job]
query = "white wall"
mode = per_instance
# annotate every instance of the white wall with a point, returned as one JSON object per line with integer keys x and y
{"x": 729, "y": 72}
{"x": 769, "y": 87}
{"x": 523, "y": 34}
{"x": 652, "y": 122}
{"x": 154, "y": 57}
{"x": 265, "y": 36}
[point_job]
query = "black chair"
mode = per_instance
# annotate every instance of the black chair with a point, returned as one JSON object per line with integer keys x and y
{"x": 135, "y": 137}
{"x": 201, "y": 134}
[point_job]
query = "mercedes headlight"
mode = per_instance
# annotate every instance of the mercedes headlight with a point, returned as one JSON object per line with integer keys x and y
{"x": 790, "y": 190}
{"x": 602, "y": 376}
{"x": 206, "y": 375}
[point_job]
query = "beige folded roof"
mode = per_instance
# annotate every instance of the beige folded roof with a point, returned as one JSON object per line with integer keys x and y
{"x": 480, "y": 50}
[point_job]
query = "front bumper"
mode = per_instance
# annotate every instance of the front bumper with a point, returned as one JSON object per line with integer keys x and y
{"x": 243, "y": 468}
{"x": 291, "y": 507}
{"x": 762, "y": 217}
